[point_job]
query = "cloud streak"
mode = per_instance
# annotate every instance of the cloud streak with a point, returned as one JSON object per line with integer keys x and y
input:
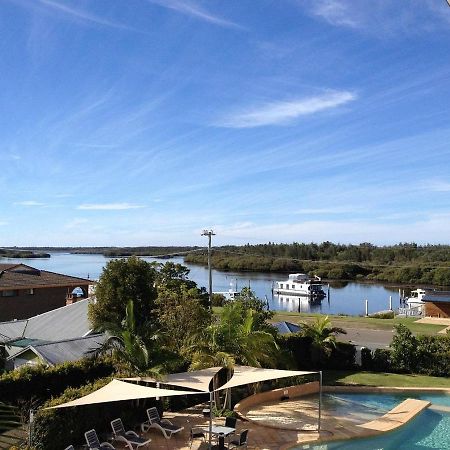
{"x": 29, "y": 203}
{"x": 284, "y": 112}
{"x": 80, "y": 15}
{"x": 108, "y": 206}
{"x": 190, "y": 9}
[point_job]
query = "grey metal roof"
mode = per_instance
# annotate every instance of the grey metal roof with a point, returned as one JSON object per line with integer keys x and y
{"x": 67, "y": 322}
{"x": 67, "y": 350}
{"x": 286, "y": 327}
{"x": 11, "y": 330}
{"x": 437, "y": 297}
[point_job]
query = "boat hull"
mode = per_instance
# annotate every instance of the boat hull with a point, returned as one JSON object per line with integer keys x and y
{"x": 314, "y": 294}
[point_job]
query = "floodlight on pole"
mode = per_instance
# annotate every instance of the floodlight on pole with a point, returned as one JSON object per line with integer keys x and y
{"x": 209, "y": 233}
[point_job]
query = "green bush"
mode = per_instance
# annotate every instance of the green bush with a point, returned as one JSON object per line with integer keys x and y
{"x": 383, "y": 315}
{"x": 299, "y": 347}
{"x": 39, "y": 383}
{"x": 342, "y": 357}
{"x": 218, "y": 300}
{"x": 366, "y": 358}
{"x": 382, "y": 360}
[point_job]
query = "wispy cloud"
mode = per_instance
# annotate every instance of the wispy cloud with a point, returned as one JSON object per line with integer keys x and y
{"x": 380, "y": 17}
{"x": 108, "y": 206}
{"x": 191, "y": 9}
{"x": 336, "y": 12}
{"x": 29, "y": 203}
{"x": 325, "y": 211}
{"x": 438, "y": 186}
{"x": 282, "y": 112}
{"x": 77, "y": 14}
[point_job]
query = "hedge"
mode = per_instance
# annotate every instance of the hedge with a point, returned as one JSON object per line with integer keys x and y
{"x": 342, "y": 357}
{"x": 38, "y": 383}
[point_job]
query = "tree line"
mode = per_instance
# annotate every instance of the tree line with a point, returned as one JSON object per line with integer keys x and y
{"x": 402, "y": 263}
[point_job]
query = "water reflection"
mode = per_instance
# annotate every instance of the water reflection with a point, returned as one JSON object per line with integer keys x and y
{"x": 296, "y": 303}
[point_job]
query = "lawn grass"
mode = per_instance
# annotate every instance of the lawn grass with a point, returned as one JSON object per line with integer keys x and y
{"x": 335, "y": 377}
{"x": 356, "y": 321}
{"x": 362, "y": 322}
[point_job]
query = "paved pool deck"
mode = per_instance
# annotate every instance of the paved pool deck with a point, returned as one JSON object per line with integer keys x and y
{"x": 263, "y": 437}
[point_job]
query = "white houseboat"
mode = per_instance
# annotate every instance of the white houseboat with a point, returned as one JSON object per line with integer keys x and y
{"x": 301, "y": 284}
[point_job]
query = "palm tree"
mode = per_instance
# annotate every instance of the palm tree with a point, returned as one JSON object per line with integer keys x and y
{"x": 323, "y": 337}
{"x": 234, "y": 338}
{"x": 125, "y": 344}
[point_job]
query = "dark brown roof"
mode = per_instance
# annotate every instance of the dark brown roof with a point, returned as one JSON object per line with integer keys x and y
{"x": 21, "y": 276}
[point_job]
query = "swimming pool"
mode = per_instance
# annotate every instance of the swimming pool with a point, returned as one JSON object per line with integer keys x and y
{"x": 429, "y": 430}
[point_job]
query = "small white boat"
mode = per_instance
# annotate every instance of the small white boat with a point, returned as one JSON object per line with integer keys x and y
{"x": 415, "y": 299}
{"x": 301, "y": 284}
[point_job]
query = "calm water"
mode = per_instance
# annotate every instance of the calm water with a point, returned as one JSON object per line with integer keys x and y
{"x": 430, "y": 430}
{"x": 344, "y": 298}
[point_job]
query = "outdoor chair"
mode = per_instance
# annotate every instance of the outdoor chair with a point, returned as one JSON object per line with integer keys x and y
{"x": 130, "y": 438}
{"x": 241, "y": 440}
{"x": 165, "y": 426}
{"x": 230, "y": 422}
{"x": 196, "y": 433}
{"x": 93, "y": 442}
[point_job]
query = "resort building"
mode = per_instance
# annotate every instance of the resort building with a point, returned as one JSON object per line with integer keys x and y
{"x": 26, "y": 291}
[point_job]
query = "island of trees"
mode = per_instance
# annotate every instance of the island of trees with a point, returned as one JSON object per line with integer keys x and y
{"x": 401, "y": 263}
{"x": 17, "y": 253}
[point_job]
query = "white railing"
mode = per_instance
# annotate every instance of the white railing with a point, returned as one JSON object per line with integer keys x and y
{"x": 410, "y": 312}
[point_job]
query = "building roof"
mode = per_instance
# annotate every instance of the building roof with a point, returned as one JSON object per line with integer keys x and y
{"x": 66, "y": 350}
{"x": 286, "y": 327}
{"x": 437, "y": 297}
{"x": 67, "y": 322}
{"x": 21, "y": 276}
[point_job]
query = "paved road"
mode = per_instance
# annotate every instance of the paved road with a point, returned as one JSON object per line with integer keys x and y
{"x": 364, "y": 337}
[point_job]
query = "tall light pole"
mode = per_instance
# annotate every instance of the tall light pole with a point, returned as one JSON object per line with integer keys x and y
{"x": 209, "y": 233}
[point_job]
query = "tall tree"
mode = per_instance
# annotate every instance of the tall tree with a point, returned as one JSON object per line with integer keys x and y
{"x": 181, "y": 314}
{"x": 123, "y": 280}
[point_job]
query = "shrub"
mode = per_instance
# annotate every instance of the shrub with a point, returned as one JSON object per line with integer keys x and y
{"x": 366, "y": 358}
{"x": 381, "y": 360}
{"x": 38, "y": 383}
{"x": 218, "y": 300}
{"x": 342, "y": 357}
{"x": 404, "y": 350}
{"x": 383, "y": 315}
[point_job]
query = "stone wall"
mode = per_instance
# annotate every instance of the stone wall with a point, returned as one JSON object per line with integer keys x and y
{"x": 277, "y": 394}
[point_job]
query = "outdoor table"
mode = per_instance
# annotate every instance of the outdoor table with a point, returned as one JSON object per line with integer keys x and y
{"x": 222, "y": 432}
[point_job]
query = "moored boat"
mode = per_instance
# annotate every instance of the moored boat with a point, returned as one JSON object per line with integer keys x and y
{"x": 302, "y": 285}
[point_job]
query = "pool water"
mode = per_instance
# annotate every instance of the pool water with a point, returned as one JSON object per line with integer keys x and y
{"x": 429, "y": 430}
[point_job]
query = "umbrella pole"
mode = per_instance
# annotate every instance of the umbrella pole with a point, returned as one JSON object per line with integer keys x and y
{"x": 210, "y": 416}
{"x": 320, "y": 400}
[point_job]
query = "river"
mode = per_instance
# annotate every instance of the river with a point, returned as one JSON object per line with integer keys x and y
{"x": 345, "y": 298}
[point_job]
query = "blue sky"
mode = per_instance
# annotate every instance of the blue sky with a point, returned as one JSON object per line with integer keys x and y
{"x": 141, "y": 122}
